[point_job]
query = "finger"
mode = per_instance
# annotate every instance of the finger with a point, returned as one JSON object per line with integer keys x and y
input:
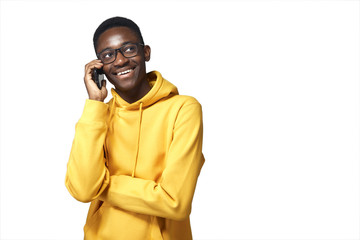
{"x": 89, "y": 68}
{"x": 103, "y": 83}
{"x": 93, "y": 64}
{"x": 103, "y": 89}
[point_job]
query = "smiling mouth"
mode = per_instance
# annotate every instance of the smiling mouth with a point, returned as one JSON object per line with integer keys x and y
{"x": 124, "y": 72}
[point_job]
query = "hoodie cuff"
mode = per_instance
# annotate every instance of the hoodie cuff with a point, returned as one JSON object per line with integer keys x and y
{"x": 94, "y": 111}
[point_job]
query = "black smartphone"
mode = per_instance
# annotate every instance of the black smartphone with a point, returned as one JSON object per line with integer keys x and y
{"x": 98, "y": 76}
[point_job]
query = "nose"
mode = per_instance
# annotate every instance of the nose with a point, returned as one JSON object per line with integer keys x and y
{"x": 120, "y": 59}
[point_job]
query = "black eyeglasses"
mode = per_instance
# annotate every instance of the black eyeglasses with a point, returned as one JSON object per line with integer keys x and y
{"x": 109, "y": 55}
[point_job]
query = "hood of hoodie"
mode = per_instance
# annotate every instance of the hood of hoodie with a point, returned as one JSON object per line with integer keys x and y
{"x": 160, "y": 88}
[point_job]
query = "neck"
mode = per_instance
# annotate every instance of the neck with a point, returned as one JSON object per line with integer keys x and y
{"x": 135, "y": 94}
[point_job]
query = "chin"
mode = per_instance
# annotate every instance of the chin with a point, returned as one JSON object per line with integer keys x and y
{"x": 125, "y": 86}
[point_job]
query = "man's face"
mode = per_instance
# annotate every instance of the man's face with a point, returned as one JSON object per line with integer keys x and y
{"x": 130, "y": 81}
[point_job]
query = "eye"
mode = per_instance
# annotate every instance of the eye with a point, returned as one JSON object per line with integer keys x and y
{"x": 108, "y": 54}
{"x": 129, "y": 49}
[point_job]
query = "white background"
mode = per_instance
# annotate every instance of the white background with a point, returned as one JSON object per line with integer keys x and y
{"x": 279, "y": 85}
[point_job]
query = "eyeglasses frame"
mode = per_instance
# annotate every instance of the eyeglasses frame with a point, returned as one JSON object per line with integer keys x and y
{"x": 119, "y": 50}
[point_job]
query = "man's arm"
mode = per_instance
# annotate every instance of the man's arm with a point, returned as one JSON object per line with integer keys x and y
{"x": 87, "y": 175}
{"x": 170, "y": 198}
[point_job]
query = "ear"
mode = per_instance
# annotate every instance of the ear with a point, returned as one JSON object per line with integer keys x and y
{"x": 147, "y": 52}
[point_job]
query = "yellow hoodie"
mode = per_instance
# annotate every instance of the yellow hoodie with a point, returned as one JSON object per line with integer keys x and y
{"x": 138, "y": 164}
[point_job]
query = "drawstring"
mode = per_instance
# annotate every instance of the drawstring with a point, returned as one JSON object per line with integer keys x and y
{"x": 138, "y": 140}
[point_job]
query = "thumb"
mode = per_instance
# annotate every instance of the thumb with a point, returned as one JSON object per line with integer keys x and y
{"x": 103, "y": 84}
{"x": 103, "y": 88}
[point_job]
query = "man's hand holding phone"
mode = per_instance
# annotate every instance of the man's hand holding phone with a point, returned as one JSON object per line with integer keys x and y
{"x": 93, "y": 90}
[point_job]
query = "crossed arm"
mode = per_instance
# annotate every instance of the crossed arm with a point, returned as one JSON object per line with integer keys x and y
{"x": 88, "y": 178}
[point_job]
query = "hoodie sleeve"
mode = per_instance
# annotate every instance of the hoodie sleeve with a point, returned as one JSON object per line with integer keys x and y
{"x": 171, "y": 197}
{"x": 87, "y": 175}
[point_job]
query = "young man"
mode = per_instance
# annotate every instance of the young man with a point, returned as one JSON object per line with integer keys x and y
{"x": 138, "y": 157}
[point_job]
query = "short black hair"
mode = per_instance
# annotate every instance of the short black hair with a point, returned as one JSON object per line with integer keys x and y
{"x": 117, "y": 22}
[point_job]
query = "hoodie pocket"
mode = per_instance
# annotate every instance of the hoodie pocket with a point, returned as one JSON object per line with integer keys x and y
{"x": 94, "y": 218}
{"x": 157, "y": 226}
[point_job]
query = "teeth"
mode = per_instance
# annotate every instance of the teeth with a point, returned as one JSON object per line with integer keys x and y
{"x": 124, "y": 72}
